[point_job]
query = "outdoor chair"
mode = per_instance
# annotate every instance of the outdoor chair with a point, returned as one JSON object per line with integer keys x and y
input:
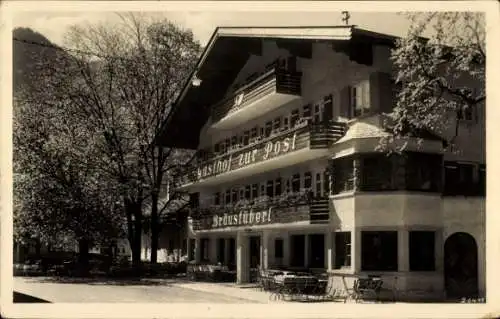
{"x": 366, "y": 288}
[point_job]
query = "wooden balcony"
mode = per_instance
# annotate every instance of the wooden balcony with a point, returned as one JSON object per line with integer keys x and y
{"x": 288, "y": 208}
{"x": 304, "y": 142}
{"x": 274, "y": 88}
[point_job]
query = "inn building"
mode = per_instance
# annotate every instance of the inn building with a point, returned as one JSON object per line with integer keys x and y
{"x": 287, "y": 124}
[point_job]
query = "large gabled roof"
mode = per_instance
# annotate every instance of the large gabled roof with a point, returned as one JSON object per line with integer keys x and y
{"x": 226, "y": 53}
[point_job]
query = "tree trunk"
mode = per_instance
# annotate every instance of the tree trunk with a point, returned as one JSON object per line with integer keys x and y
{"x": 83, "y": 256}
{"x": 155, "y": 231}
{"x": 134, "y": 229}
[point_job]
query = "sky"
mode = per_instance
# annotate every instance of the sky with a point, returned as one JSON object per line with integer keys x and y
{"x": 203, "y": 23}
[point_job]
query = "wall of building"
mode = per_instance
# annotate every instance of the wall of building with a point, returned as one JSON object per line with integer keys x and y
{"x": 327, "y": 72}
{"x": 468, "y": 214}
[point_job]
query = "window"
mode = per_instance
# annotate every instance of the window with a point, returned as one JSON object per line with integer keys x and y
{"x": 285, "y": 123}
{"x": 228, "y": 196}
{"x": 270, "y": 189}
{"x": 263, "y": 189}
{"x": 376, "y": 173}
{"x": 342, "y": 250}
{"x": 360, "y": 98}
{"x": 459, "y": 178}
{"x": 247, "y": 192}
{"x": 343, "y": 169}
{"x": 278, "y": 248}
{"x": 318, "y": 184}
{"x": 317, "y": 113}
{"x": 253, "y": 134}
{"x": 297, "y": 250}
{"x": 326, "y": 183}
{"x": 482, "y": 180}
{"x": 422, "y": 246}
{"x": 296, "y": 183}
{"x": 234, "y": 195}
{"x": 306, "y": 111}
{"x": 379, "y": 250}
{"x": 204, "y": 253}
{"x": 316, "y": 251}
{"x": 216, "y": 148}
{"x": 254, "y": 191}
{"x": 269, "y": 128}
{"x": 294, "y": 117}
{"x": 465, "y": 114}
{"x": 246, "y": 137}
{"x": 228, "y": 144}
{"x": 192, "y": 245}
{"x": 287, "y": 185}
{"x": 221, "y": 249}
{"x": 328, "y": 107}
{"x": 276, "y": 124}
{"x": 241, "y": 193}
{"x": 307, "y": 180}
{"x": 277, "y": 187}
{"x": 217, "y": 198}
{"x": 423, "y": 172}
{"x": 261, "y": 132}
{"x": 234, "y": 141}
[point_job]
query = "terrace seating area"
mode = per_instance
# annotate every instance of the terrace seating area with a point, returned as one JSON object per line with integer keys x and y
{"x": 301, "y": 285}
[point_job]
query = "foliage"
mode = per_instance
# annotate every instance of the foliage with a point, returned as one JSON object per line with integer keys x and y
{"x": 58, "y": 197}
{"x": 117, "y": 85}
{"x": 441, "y": 77}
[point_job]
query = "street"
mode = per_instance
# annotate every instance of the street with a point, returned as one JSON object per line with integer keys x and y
{"x": 108, "y": 291}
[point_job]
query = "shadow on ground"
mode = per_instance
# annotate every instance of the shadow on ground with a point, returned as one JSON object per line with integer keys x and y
{"x": 108, "y": 281}
{"x": 22, "y": 298}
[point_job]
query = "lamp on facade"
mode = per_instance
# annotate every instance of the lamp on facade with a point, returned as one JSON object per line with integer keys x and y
{"x": 196, "y": 81}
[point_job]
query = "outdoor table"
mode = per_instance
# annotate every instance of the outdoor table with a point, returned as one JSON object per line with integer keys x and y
{"x": 362, "y": 284}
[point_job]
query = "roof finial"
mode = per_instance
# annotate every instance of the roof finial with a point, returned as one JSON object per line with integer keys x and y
{"x": 346, "y": 17}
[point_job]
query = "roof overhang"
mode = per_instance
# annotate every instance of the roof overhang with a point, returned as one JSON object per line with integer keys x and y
{"x": 226, "y": 53}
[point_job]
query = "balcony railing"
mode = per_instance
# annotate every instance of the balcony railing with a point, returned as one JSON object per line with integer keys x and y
{"x": 302, "y": 135}
{"x": 275, "y": 80}
{"x": 288, "y": 207}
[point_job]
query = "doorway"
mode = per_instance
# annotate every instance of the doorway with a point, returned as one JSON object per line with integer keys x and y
{"x": 460, "y": 266}
{"x": 254, "y": 251}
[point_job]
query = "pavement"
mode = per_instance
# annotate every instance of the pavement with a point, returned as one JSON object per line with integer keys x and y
{"x": 139, "y": 291}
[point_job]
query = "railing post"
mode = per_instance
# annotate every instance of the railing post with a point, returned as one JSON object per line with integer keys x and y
{"x": 356, "y": 174}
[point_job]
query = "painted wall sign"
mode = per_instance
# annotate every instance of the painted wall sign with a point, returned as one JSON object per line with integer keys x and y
{"x": 234, "y": 161}
{"x": 244, "y": 218}
{"x": 252, "y": 218}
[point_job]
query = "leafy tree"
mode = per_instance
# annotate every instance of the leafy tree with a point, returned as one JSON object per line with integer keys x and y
{"x": 58, "y": 196}
{"x": 442, "y": 77}
{"x": 118, "y": 84}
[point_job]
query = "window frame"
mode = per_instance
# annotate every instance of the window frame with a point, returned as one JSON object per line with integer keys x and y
{"x": 387, "y": 256}
{"x": 418, "y": 261}
{"x": 343, "y": 242}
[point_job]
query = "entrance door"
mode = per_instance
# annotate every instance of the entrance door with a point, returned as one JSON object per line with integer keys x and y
{"x": 254, "y": 251}
{"x": 232, "y": 254}
{"x": 317, "y": 251}
{"x": 254, "y": 257}
{"x": 460, "y": 266}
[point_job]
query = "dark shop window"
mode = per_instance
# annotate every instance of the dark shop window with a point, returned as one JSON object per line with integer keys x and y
{"x": 379, "y": 250}
{"x": 422, "y": 251}
{"x": 278, "y": 248}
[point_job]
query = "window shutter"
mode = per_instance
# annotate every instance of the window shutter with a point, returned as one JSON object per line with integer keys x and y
{"x": 386, "y": 93}
{"x": 345, "y": 102}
